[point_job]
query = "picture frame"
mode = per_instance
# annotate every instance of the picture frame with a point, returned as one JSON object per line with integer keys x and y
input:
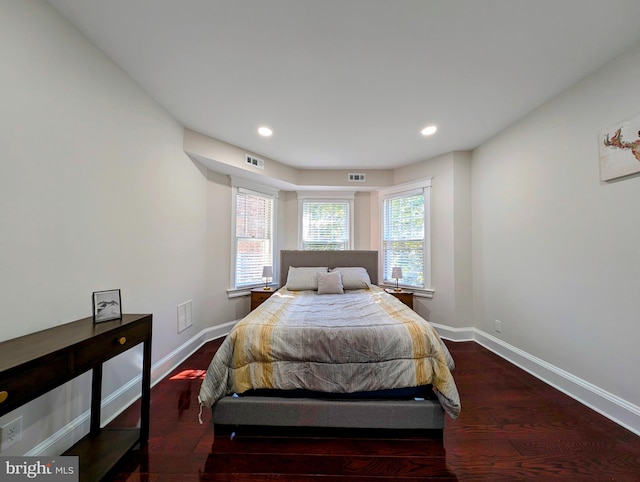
{"x": 107, "y": 305}
{"x": 620, "y": 150}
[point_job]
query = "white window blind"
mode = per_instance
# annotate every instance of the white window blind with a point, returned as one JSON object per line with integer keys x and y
{"x": 325, "y": 225}
{"x": 254, "y": 236}
{"x": 404, "y": 237}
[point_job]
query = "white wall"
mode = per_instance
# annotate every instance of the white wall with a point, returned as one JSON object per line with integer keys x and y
{"x": 221, "y": 308}
{"x": 362, "y": 221}
{"x": 556, "y": 252}
{"x": 95, "y": 193}
{"x": 289, "y": 223}
{"x": 462, "y": 246}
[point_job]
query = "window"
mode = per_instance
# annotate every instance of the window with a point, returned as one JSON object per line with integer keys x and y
{"x": 325, "y": 224}
{"x": 405, "y": 235}
{"x": 253, "y": 236}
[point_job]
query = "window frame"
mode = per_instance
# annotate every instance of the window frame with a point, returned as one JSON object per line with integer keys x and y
{"x": 326, "y": 197}
{"x": 243, "y": 186}
{"x": 400, "y": 191}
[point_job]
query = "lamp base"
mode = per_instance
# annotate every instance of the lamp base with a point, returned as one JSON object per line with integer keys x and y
{"x": 267, "y": 288}
{"x": 397, "y": 289}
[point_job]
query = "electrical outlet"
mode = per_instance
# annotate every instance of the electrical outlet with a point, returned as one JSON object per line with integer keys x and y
{"x": 498, "y": 326}
{"x": 11, "y": 434}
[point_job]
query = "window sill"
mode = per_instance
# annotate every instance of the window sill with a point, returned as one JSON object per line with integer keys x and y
{"x": 417, "y": 292}
{"x": 246, "y": 290}
{"x": 238, "y": 292}
{"x": 423, "y": 293}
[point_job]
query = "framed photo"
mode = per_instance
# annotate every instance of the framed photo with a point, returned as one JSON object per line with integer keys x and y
{"x": 107, "y": 305}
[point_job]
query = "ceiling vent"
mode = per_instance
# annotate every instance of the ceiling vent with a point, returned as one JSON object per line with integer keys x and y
{"x": 254, "y": 161}
{"x": 356, "y": 177}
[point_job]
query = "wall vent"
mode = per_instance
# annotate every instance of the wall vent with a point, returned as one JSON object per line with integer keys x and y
{"x": 357, "y": 177}
{"x": 185, "y": 315}
{"x": 254, "y": 161}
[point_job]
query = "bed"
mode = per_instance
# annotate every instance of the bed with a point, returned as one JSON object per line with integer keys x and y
{"x": 305, "y": 357}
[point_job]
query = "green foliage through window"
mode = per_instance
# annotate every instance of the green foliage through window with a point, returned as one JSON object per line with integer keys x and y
{"x": 404, "y": 238}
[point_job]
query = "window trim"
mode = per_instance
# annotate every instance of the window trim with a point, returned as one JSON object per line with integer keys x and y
{"x": 326, "y": 196}
{"x": 242, "y": 185}
{"x": 404, "y": 190}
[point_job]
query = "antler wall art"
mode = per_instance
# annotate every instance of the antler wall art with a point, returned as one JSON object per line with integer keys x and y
{"x": 620, "y": 150}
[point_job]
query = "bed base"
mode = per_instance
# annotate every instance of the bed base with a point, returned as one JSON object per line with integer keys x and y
{"x": 307, "y": 412}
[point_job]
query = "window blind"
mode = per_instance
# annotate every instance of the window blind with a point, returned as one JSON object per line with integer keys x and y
{"x": 325, "y": 225}
{"x": 404, "y": 237}
{"x": 254, "y": 236}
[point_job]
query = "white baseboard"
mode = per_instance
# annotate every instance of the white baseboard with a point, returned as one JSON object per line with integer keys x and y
{"x": 118, "y": 401}
{"x": 455, "y": 334}
{"x": 165, "y": 365}
{"x": 611, "y": 406}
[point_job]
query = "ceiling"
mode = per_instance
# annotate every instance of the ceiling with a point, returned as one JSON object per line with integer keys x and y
{"x": 350, "y": 83}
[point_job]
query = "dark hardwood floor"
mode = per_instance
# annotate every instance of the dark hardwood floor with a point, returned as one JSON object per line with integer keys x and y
{"x": 512, "y": 427}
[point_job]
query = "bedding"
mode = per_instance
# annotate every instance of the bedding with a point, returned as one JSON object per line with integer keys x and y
{"x": 358, "y": 341}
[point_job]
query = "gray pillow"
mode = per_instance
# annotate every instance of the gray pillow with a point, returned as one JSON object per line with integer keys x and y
{"x": 330, "y": 283}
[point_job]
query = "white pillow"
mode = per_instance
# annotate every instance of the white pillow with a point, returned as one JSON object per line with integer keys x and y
{"x": 354, "y": 278}
{"x": 299, "y": 279}
{"x": 330, "y": 283}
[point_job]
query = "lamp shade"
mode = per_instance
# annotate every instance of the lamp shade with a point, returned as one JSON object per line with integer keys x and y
{"x": 267, "y": 272}
{"x": 396, "y": 272}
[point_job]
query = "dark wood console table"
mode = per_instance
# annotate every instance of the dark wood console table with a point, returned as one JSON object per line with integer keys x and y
{"x": 33, "y": 364}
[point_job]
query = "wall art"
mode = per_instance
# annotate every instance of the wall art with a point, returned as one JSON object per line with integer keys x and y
{"x": 620, "y": 150}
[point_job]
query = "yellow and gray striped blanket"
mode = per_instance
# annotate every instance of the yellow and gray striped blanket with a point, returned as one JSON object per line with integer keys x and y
{"x": 362, "y": 340}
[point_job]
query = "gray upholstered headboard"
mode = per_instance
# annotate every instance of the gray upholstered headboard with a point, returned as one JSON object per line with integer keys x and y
{"x": 331, "y": 259}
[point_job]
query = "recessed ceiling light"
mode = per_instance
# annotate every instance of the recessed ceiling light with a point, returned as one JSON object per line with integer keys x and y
{"x": 429, "y": 130}
{"x": 264, "y": 131}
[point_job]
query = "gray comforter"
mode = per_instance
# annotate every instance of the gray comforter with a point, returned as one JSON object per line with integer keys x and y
{"x": 362, "y": 340}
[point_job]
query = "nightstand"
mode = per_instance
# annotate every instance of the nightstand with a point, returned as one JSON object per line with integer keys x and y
{"x": 405, "y": 296}
{"x": 258, "y": 295}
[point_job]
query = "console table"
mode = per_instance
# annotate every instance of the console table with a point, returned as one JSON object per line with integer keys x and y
{"x": 34, "y": 364}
